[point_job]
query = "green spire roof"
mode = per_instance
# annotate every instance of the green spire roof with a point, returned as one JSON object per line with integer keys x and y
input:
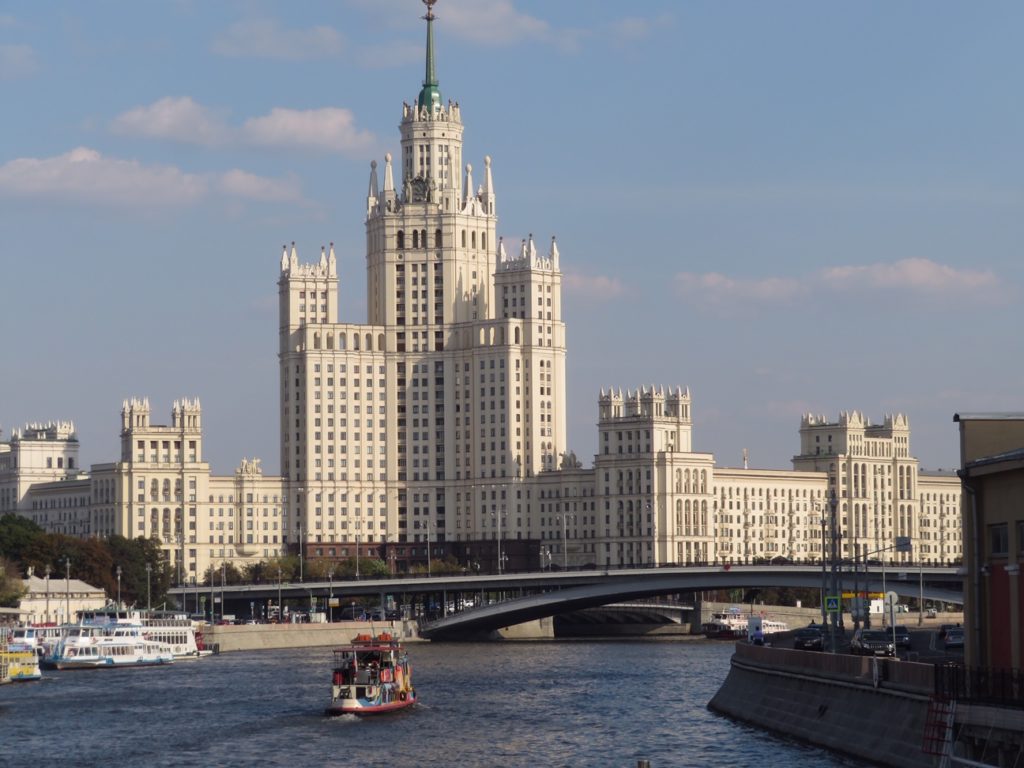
{"x": 430, "y": 94}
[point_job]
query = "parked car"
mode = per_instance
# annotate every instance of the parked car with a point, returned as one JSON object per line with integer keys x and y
{"x": 872, "y": 642}
{"x": 809, "y": 639}
{"x": 930, "y": 613}
{"x": 945, "y": 628}
{"x": 955, "y": 637}
{"x": 902, "y": 636}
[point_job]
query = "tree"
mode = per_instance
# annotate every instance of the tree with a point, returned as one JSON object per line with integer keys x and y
{"x": 16, "y": 534}
{"x": 11, "y": 588}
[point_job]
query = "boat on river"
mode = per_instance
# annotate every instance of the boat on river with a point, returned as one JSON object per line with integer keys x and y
{"x": 370, "y": 676}
{"x": 95, "y": 647}
{"x": 725, "y": 625}
{"x": 176, "y": 629}
{"x": 18, "y": 663}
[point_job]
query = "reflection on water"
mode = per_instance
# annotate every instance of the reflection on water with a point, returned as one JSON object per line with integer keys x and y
{"x": 564, "y": 703}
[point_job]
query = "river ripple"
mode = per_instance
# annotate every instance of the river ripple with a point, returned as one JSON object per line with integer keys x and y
{"x": 564, "y": 703}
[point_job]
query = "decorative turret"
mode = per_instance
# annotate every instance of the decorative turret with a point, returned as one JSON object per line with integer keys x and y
{"x": 371, "y": 193}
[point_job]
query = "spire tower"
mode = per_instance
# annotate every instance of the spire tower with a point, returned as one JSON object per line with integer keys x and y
{"x": 430, "y": 95}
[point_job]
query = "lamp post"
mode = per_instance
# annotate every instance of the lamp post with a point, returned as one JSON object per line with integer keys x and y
{"x": 301, "y": 542}
{"x": 833, "y": 503}
{"x": 499, "y": 516}
{"x": 280, "y": 610}
{"x": 820, "y": 506}
{"x": 565, "y": 540}
{"x": 47, "y": 593}
{"x": 357, "y": 557}
{"x": 149, "y": 594}
{"x": 430, "y": 527}
{"x": 223, "y": 580}
{"x": 181, "y": 558}
{"x": 67, "y": 589}
{"x": 119, "y": 587}
{"x": 330, "y": 596}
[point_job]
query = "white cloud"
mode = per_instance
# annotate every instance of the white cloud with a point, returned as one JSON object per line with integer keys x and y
{"x": 178, "y": 119}
{"x": 84, "y": 174}
{"x": 593, "y": 286}
{"x": 182, "y": 119}
{"x": 914, "y": 276}
{"x": 632, "y": 29}
{"x": 493, "y": 23}
{"x": 16, "y": 61}
{"x": 713, "y": 286}
{"x": 332, "y": 129}
{"x": 244, "y": 184}
{"x": 919, "y": 275}
{"x": 266, "y": 38}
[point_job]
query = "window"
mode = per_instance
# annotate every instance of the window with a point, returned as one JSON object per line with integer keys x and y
{"x": 999, "y": 540}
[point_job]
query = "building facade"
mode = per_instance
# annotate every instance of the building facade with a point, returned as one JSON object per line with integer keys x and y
{"x": 430, "y": 421}
{"x": 992, "y": 471}
{"x": 161, "y": 487}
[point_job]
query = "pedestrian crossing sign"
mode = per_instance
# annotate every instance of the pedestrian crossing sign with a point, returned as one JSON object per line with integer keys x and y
{"x": 832, "y": 603}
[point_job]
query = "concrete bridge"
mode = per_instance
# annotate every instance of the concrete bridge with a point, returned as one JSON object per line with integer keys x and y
{"x": 938, "y": 584}
{"x": 511, "y": 598}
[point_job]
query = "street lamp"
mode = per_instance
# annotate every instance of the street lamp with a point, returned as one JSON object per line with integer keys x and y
{"x": 149, "y": 594}
{"x": 429, "y": 528}
{"x": 47, "y": 593}
{"x": 119, "y": 587}
{"x": 280, "y": 611}
{"x": 330, "y": 596}
{"x": 357, "y": 557}
{"x": 565, "y": 545}
{"x": 223, "y": 580}
{"x": 67, "y": 590}
{"x": 499, "y": 516}
{"x": 833, "y": 503}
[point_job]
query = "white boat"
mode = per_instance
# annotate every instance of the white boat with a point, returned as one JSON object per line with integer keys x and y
{"x": 176, "y": 629}
{"x": 36, "y": 638}
{"x": 121, "y": 645}
{"x": 18, "y": 664}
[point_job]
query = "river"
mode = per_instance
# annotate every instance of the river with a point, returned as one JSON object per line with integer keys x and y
{"x": 564, "y": 703}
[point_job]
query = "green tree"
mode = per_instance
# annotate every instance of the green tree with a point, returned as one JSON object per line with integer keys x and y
{"x": 11, "y": 589}
{"x": 369, "y": 568}
{"x": 16, "y": 534}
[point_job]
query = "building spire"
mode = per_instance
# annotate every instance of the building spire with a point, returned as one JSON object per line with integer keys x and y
{"x": 430, "y": 95}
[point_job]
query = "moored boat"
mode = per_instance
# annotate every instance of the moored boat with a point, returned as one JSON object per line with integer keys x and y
{"x": 181, "y": 633}
{"x": 121, "y": 645}
{"x": 371, "y": 676}
{"x": 727, "y": 625}
{"x": 18, "y": 664}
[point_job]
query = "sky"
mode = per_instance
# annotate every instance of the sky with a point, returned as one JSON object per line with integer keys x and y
{"x": 791, "y": 207}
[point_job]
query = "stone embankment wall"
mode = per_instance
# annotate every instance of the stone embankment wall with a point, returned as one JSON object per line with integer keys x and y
{"x": 874, "y": 709}
{"x": 251, "y": 637}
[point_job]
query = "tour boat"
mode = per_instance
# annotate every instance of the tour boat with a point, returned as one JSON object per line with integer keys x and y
{"x": 372, "y": 675}
{"x": 176, "y": 629}
{"x": 121, "y": 645}
{"x": 728, "y": 625}
{"x": 36, "y": 638}
{"x": 18, "y": 663}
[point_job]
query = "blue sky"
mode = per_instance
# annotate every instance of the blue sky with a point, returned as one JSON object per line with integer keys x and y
{"x": 789, "y": 207}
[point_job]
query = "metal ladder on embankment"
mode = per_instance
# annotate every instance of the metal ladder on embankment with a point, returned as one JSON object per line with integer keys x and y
{"x": 938, "y": 729}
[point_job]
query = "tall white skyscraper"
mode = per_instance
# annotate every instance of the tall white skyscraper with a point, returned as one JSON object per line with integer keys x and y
{"x": 430, "y": 419}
